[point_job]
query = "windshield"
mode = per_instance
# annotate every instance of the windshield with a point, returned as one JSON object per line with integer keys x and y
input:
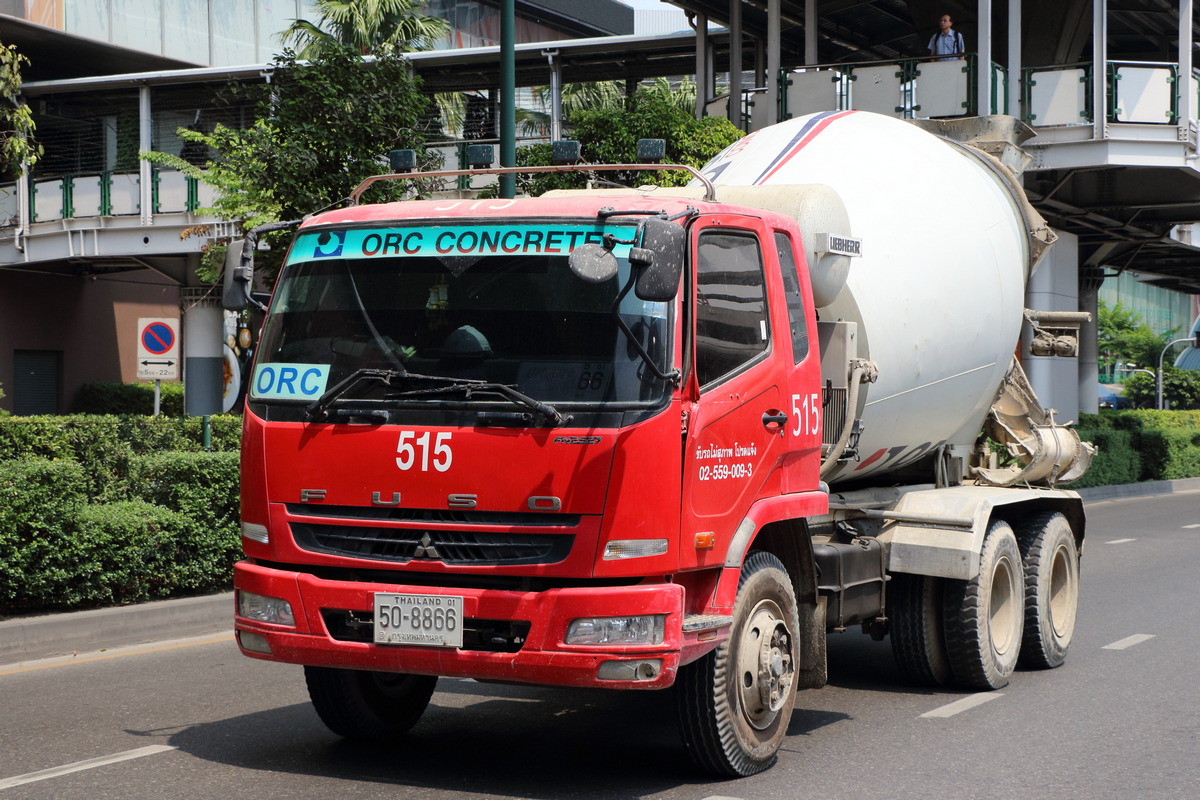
{"x": 479, "y": 302}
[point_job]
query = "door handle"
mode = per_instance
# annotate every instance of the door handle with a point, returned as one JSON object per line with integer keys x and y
{"x": 777, "y": 418}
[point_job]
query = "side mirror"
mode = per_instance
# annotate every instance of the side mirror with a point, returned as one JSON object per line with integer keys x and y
{"x": 658, "y": 280}
{"x": 593, "y": 263}
{"x": 235, "y": 293}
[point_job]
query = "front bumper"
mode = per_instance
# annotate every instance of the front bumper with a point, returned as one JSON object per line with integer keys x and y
{"x": 540, "y": 656}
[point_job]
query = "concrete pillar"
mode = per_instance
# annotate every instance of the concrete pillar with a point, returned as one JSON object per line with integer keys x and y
{"x": 555, "y": 94}
{"x": 1186, "y": 98}
{"x": 703, "y": 73}
{"x": 773, "y": 62}
{"x": 1055, "y": 287}
{"x": 1014, "y": 58}
{"x": 810, "y": 32}
{"x": 203, "y": 352}
{"x": 1089, "y": 351}
{"x": 1099, "y": 69}
{"x": 145, "y": 142}
{"x": 983, "y": 62}
{"x": 735, "y": 62}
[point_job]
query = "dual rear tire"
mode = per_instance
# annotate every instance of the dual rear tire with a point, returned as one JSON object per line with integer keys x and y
{"x": 1019, "y": 610}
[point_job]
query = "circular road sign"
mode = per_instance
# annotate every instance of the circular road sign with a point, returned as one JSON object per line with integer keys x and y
{"x": 158, "y": 338}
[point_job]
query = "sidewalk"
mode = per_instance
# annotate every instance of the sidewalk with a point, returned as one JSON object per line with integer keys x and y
{"x": 47, "y": 635}
{"x": 32, "y": 638}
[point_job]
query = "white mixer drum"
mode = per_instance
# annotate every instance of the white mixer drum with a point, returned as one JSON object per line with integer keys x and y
{"x": 938, "y": 293}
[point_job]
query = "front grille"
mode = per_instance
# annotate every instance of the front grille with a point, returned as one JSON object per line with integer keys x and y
{"x": 458, "y": 547}
{"x": 479, "y": 635}
{"x": 524, "y": 519}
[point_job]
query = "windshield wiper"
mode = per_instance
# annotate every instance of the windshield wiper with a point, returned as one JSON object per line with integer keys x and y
{"x": 468, "y": 388}
{"x": 319, "y": 408}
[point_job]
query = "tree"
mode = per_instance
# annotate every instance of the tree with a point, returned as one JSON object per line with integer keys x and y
{"x": 1181, "y": 389}
{"x": 1121, "y": 335}
{"x": 577, "y": 97}
{"x": 609, "y": 136}
{"x": 372, "y": 27}
{"x": 320, "y": 128}
{"x": 18, "y": 149}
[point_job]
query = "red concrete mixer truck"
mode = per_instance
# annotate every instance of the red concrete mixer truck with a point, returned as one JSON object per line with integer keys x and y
{"x": 663, "y": 437}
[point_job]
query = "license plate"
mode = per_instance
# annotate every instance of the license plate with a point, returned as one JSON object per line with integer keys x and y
{"x": 428, "y": 620}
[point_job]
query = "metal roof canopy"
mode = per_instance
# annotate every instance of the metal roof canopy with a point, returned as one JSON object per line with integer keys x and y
{"x": 582, "y": 60}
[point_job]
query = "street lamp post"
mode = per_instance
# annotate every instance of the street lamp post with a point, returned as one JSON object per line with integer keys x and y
{"x": 1159, "y": 375}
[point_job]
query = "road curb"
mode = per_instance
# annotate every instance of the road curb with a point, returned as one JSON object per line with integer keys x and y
{"x": 1148, "y": 489}
{"x": 47, "y": 635}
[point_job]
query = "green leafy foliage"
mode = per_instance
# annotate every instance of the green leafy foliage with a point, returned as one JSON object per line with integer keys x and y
{"x": 203, "y": 486}
{"x": 1141, "y": 445}
{"x": 367, "y": 26}
{"x": 1115, "y": 462}
{"x": 1121, "y": 335}
{"x": 101, "y": 510}
{"x": 609, "y": 135}
{"x": 128, "y": 398}
{"x": 1181, "y": 389}
{"x": 17, "y": 145}
{"x": 320, "y": 128}
{"x": 39, "y": 499}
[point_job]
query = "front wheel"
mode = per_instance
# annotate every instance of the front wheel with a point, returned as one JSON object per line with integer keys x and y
{"x": 735, "y": 702}
{"x": 368, "y": 705}
{"x": 984, "y": 617}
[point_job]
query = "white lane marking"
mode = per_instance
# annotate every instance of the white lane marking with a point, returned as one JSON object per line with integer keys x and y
{"x": 1193, "y": 525}
{"x": 965, "y": 704}
{"x": 720, "y": 797}
{"x": 80, "y": 766}
{"x": 1120, "y": 541}
{"x": 1128, "y": 641}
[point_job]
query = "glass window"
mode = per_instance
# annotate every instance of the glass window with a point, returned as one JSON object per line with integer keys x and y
{"x": 731, "y": 305}
{"x": 795, "y": 300}
{"x": 521, "y": 318}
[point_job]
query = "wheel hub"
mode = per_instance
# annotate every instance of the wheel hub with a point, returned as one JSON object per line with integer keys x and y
{"x": 766, "y": 665}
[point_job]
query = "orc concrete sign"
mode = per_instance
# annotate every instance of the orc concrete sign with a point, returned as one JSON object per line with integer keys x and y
{"x": 158, "y": 349}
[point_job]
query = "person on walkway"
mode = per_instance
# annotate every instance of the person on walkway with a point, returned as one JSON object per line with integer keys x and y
{"x": 947, "y": 41}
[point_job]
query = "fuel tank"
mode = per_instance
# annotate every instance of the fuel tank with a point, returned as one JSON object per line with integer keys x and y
{"x": 945, "y": 244}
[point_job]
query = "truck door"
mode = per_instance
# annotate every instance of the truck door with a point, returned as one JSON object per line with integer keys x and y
{"x": 802, "y": 465}
{"x": 736, "y": 434}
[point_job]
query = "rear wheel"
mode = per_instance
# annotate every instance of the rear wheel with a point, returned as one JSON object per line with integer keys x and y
{"x": 368, "y": 705}
{"x": 984, "y": 617}
{"x": 1051, "y": 563}
{"x": 914, "y": 610}
{"x": 735, "y": 703}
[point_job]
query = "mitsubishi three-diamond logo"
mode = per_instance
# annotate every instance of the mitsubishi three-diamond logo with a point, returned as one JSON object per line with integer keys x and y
{"x": 425, "y": 548}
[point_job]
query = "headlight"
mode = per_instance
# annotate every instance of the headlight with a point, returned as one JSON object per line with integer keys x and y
{"x": 274, "y": 610}
{"x": 634, "y": 548}
{"x": 617, "y": 630}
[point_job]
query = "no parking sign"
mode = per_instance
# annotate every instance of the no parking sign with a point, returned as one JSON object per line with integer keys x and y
{"x": 158, "y": 349}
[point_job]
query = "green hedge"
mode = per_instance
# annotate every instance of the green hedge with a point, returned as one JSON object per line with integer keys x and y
{"x": 1115, "y": 462}
{"x": 105, "y": 445}
{"x": 1141, "y": 445}
{"x": 128, "y": 398}
{"x": 97, "y": 510}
